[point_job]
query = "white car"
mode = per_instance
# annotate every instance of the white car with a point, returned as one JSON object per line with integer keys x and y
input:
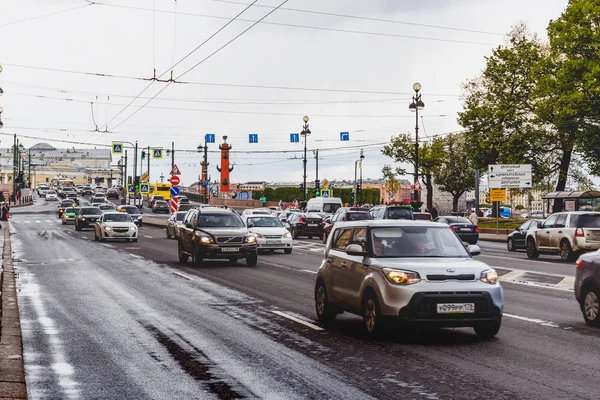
{"x": 256, "y": 211}
{"x": 269, "y": 232}
{"x": 115, "y": 225}
{"x": 51, "y": 195}
{"x": 107, "y": 207}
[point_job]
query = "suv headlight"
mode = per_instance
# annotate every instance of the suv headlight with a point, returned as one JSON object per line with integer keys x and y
{"x": 489, "y": 276}
{"x": 107, "y": 228}
{"x": 287, "y": 235}
{"x": 250, "y": 239}
{"x": 257, "y": 235}
{"x": 400, "y": 277}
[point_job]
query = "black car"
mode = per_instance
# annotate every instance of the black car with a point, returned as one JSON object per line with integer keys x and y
{"x": 185, "y": 207}
{"x": 87, "y": 217}
{"x": 87, "y": 191}
{"x": 112, "y": 193}
{"x": 305, "y": 224}
{"x": 464, "y": 229}
{"x": 214, "y": 233}
{"x": 516, "y": 239}
{"x": 392, "y": 211}
{"x": 72, "y": 197}
{"x": 134, "y": 212}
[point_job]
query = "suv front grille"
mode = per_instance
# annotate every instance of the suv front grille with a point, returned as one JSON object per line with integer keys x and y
{"x": 230, "y": 239}
{"x": 424, "y": 305}
{"x": 462, "y": 277}
{"x": 272, "y": 236}
{"x": 120, "y": 230}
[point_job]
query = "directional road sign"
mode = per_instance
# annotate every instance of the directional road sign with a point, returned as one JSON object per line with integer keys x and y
{"x": 325, "y": 193}
{"x": 325, "y": 183}
{"x": 144, "y": 188}
{"x": 175, "y": 180}
{"x": 130, "y": 189}
{"x": 498, "y": 195}
{"x": 509, "y": 176}
{"x": 209, "y": 138}
{"x": 117, "y": 148}
{"x": 294, "y": 138}
{"x": 253, "y": 138}
{"x": 174, "y": 191}
{"x": 344, "y": 136}
{"x": 175, "y": 170}
{"x": 157, "y": 153}
{"x": 144, "y": 177}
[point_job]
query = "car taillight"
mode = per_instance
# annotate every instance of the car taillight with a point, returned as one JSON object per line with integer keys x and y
{"x": 453, "y": 228}
{"x": 578, "y": 263}
{"x": 322, "y": 220}
{"x": 476, "y": 229}
{"x": 579, "y": 232}
{"x": 301, "y": 220}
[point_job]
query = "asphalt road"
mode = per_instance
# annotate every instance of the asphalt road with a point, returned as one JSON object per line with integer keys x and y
{"x": 126, "y": 320}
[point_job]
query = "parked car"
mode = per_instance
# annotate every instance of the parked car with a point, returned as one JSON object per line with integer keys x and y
{"x": 516, "y": 239}
{"x": 409, "y": 273}
{"x": 269, "y": 232}
{"x": 505, "y": 212}
{"x": 160, "y": 206}
{"x": 587, "y": 287}
{"x": 87, "y": 217}
{"x": 115, "y": 225}
{"x": 566, "y": 233}
{"x": 305, "y": 224}
{"x": 134, "y": 212}
{"x": 392, "y": 211}
{"x": 349, "y": 214}
{"x": 174, "y": 223}
{"x": 215, "y": 233}
{"x": 464, "y": 229}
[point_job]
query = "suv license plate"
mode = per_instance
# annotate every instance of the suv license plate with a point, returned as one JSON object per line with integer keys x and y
{"x": 273, "y": 241}
{"x": 229, "y": 249}
{"x": 313, "y": 224}
{"x": 465, "y": 229}
{"x": 456, "y": 308}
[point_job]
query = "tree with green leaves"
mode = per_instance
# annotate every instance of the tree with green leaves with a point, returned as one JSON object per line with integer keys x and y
{"x": 456, "y": 174}
{"x": 392, "y": 184}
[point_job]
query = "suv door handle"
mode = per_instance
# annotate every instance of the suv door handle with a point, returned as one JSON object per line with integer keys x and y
{"x": 344, "y": 265}
{"x": 559, "y": 231}
{"x": 329, "y": 260}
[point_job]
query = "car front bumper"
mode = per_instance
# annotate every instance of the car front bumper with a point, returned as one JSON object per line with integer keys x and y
{"x": 112, "y": 234}
{"x": 214, "y": 251}
{"x": 274, "y": 244}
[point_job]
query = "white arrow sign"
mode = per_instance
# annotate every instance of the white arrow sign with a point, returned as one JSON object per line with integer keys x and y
{"x": 509, "y": 176}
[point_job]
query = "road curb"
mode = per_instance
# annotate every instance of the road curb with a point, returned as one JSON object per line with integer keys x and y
{"x": 12, "y": 370}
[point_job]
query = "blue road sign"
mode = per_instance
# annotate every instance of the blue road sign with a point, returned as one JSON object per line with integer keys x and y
{"x": 174, "y": 191}
{"x": 206, "y": 183}
{"x": 209, "y": 138}
{"x": 294, "y": 137}
{"x": 117, "y": 148}
{"x": 144, "y": 188}
{"x": 253, "y": 138}
{"x": 212, "y": 190}
{"x": 325, "y": 193}
{"x": 344, "y": 136}
{"x": 156, "y": 153}
{"x": 129, "y": 188}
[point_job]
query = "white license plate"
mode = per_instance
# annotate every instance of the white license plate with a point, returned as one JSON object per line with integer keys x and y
{"x": 120, "y": 234}
{"x": 456, "y": 308}
{"x": 273, "y": 241}
{"x": 229, "y": 249}
{"x": 465, "y": 229}
{"x": 313, "y": 224}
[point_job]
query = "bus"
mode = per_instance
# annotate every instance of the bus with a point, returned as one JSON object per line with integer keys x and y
{"x": 161, "y": 189}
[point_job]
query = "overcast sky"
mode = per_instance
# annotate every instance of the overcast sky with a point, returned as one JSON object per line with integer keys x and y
{"x": 360, "y": 73}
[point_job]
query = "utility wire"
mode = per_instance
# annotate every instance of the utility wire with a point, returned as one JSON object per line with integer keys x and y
{"x": 44, "y": 15}
{"x": 174, "y": 34}
{"x": 370, "y": 18}
{"x": 207, "y": 57}
{"x": 172, "y": 67}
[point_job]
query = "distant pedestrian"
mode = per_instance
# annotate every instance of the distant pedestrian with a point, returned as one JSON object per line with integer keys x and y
{"x": 281, "y": 204}
{"x": 474, "y": 218}
{"x": 264, "y": 200}
{"x": 4, "y": 212}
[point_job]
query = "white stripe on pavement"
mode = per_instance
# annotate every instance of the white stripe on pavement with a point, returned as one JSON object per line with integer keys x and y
{"x": 538, "y": 321}
{"x": 298, "y": 320}
{"x": 189, "y": 278}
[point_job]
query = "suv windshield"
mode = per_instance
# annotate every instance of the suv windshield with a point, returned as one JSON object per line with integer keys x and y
{"x": 399, "y": 213}
{"x": 262, "y": 222}
{"x": 413, "y": 241}
{"x": 220, "y": 221}
{"x": 117, "y": 217}
{"x": 90, "y": 211}
{"x": 331, "y": 208}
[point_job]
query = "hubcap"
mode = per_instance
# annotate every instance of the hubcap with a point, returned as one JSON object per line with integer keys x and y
{"x": 320, "y": 300}
{"x": 370, "y": 315}
{"x": 564, "y": 251}
{"x": 510, "y": 244}
{"x": 591, "y": 306}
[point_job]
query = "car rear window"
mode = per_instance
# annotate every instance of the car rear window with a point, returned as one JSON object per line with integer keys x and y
{"x": 588, "y": 221}
{"x": 331, "y": 207}
{"x": 358, "y": 216}
{"x": 399, "y": 213}
{"x": 457, "y": 220}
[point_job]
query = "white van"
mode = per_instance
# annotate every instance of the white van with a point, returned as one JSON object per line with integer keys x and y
{"x": 327, "y": 205}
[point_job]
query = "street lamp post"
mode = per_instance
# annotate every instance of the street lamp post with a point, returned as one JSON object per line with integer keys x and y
{"x": 358, "y": 185}
{"x": 361, "y": 188}
{"x": 415, "y": 106}
{"x": 305, "y": 132}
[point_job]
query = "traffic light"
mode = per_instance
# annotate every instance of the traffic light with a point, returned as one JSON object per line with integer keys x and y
{"x": 136, "y": 182}
{"x": 318, "y": 192}
{"x": 317, "y": 188}
{"x": 143, "y": 155}
{"x": 129, "y": 178}
{"x": 302, "y": 187}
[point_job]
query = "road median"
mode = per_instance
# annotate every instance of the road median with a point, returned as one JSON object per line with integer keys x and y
{"x": 12, "y": 371}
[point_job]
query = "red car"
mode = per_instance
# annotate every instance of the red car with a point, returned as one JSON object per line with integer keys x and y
{"x": 161, "y": 206}
{"x": 112, "y": 193}
{"x": 345, "y": 215}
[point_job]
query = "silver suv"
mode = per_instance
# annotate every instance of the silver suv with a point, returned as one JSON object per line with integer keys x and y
{"x": 567, "y": 233}
{"x": 402, "y": 271}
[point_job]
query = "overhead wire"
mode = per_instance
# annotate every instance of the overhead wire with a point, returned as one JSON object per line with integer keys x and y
{"x": 44, "y": 15}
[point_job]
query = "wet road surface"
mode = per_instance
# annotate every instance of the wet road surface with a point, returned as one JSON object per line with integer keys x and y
{"x": 125, "y": 320}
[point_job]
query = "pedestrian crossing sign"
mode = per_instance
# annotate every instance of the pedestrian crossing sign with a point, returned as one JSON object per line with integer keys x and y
{"x": 129, "y": 188}
{"x": 144, "y": 188}
{"x": 157, "y": 153}
{"x": 325, "y": 193}
{"x": 117, "y": 148}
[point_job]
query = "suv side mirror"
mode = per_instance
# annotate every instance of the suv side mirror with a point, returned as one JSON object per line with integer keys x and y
{"x": 355, "y": 250}
{"x": 250, "y": 224}
{"x": 474, "y": 250}
{"x": 284, "y": 220}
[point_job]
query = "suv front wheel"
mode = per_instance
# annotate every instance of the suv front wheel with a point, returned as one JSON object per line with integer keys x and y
{"x": 488, "y": 330}
{"x": 532, "y": 251}
{"x": 590, "y": 305}
{"x": 372, "y": 315}
{"x": 183, "y": 258}
{"x": 252, "y": 260}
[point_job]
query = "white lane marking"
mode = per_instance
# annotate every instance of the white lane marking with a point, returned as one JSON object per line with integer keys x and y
{"x": 512, "y": 274}
{"x": 131, "y": 248}
{"x": 538, "y": 284}
{"x": 506, "y": 258}
{"x": 189, "y": 278}
{"x": 538, "y": 321}
{"x": 37, "y": 221}
{"x": 50, "y": 221}
{"x": 298, "y": 320}
{"x": 149, "y": 237}
{"x": 84, "y": 237}
{"x": 568, "y": 282}
{"x": 136, "y": 256}
{"x": 27, "y": 222}
{"x": 309, "y": 271}
{"x": 107, "y": 245}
